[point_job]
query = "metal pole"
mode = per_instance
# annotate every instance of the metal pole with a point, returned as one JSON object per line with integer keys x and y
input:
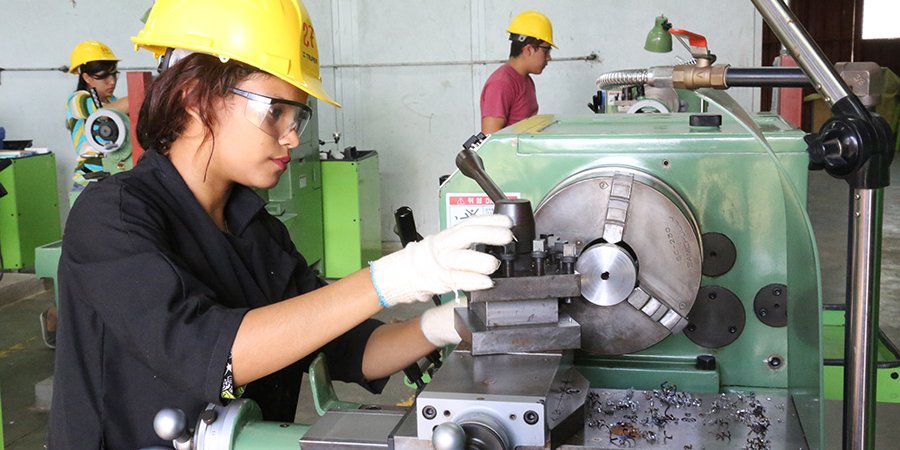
{"x": 864, "y": 246}
{"x": 862, "y": 331}
{"x": 810, "y": 57}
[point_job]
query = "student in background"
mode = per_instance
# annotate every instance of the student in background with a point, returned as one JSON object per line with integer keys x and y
{"x": 508, "y": 95}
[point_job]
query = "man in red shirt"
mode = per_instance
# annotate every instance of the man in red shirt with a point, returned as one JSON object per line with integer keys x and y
{"x": 508, "y": 95}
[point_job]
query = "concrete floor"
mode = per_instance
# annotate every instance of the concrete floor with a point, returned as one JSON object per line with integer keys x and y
{"x": 24, "y": 360}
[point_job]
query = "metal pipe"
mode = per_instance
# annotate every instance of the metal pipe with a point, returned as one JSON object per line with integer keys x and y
{"x": 789, "y": 31}
{"x": 65, "y": 69}
{"x": 592, "y": 57}
{"x": 861, "y": 334}
{"x": 766, "y": 77}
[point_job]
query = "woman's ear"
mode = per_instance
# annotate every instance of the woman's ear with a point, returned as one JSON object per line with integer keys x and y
{"x": 86, "y": 78}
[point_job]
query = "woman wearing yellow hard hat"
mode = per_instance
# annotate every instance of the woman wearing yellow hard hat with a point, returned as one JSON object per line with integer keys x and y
{"x": 217, "y": 302}
{"x": 96, "y": 67}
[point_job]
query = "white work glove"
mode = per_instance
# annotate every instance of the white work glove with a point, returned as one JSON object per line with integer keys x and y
{"x": 438, "y": 323}
{"x": 442, "y": 262}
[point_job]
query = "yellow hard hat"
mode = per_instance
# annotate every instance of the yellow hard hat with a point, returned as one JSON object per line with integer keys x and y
{"x": 533, "y": 24}
{"x": 88, "y": 51}
{"x": 275, "y": 36}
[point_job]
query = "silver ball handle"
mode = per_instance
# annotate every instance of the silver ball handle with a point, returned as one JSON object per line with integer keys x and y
{"x": 170, "y": 424}
{"x": 448, "y": 436}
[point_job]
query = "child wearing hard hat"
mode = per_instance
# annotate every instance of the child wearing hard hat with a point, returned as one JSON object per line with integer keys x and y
{"x": 196, "y": 294}
{"x": 508, "y": 95}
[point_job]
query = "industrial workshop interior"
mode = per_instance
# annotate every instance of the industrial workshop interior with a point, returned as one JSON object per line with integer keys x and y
{"x": 466, "y": 224}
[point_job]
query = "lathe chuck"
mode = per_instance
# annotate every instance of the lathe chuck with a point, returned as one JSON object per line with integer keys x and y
{"x": 639, "y": 256}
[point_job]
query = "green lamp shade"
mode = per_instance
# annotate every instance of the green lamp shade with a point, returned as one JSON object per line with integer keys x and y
{"x": 658, "y": 39}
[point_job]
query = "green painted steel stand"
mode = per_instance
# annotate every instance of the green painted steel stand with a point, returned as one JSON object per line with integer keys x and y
{"x": 351, "y": 207}
{"x": 29, "y": 214}
{"x": 887, "y": 365}
{"x": 297, "y": 198}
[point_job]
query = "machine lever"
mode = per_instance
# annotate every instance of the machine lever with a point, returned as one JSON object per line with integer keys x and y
{"x": 170, "y": 424}
{"x": 470, "y": 164}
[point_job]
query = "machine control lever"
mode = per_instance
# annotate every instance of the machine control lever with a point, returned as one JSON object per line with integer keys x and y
{"x": 518, "y": 209}
{"x": 470, "y": 164}
{"x": 448, "y": 436}
{"x": 170, "y": 424}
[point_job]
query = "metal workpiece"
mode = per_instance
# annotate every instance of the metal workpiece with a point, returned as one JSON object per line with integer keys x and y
{"x": 504, "y": 401}
{"x": 659, "y": 236}
{"x": 792, "y": 35}
{"x": 564, "y": 334}
{"x": 609, "y": 274}
{"x": 864, "y": 261}
{"x": 694, "y": 77}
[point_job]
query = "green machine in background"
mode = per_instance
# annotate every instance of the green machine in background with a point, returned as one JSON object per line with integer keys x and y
{"x": 29, "y": 213}
{"x": 297, "y": 198}
{"x": 351, "y": 196}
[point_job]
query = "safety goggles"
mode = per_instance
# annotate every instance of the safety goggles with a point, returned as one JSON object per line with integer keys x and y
{"x": 103, "y": 76}
{"x": 275, "y": 116}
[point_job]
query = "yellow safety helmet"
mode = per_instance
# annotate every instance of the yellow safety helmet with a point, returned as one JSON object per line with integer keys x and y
{"x": 275, "y": 36}
{"x": 533, "y": 24}
{"x": 88, "y": 51}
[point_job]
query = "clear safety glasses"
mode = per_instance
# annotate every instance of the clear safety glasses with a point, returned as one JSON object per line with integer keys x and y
{"x": 275, "y": 116}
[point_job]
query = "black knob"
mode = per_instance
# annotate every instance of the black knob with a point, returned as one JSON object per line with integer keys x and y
{"x": 706, "y": 362}
{"x": 705, "y": 120}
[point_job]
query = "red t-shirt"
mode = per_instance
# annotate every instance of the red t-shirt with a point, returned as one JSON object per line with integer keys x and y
{"x": 509, "y": 95}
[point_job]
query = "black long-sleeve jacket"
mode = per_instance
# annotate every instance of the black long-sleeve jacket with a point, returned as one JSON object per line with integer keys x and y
{"x": 151, "y": 297}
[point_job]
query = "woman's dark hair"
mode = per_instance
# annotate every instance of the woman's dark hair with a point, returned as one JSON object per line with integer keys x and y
{"x": 198, "y": 81}
{"x": 96, "y": 69}
{"x": 516, "y": 46}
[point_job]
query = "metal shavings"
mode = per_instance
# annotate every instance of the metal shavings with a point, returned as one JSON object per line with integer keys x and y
{"x": 623, "y": 434}
{"x": 659, "y": 419}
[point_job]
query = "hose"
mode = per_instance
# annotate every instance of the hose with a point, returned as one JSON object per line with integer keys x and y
{"x": 660, "y": 76}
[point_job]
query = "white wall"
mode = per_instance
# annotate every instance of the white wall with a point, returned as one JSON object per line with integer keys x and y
{"x": 41, "y": 34}
{"x": 409, "y": 73}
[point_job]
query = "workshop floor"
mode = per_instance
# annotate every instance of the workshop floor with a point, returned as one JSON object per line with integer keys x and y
{"x": 24, "y": 361}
